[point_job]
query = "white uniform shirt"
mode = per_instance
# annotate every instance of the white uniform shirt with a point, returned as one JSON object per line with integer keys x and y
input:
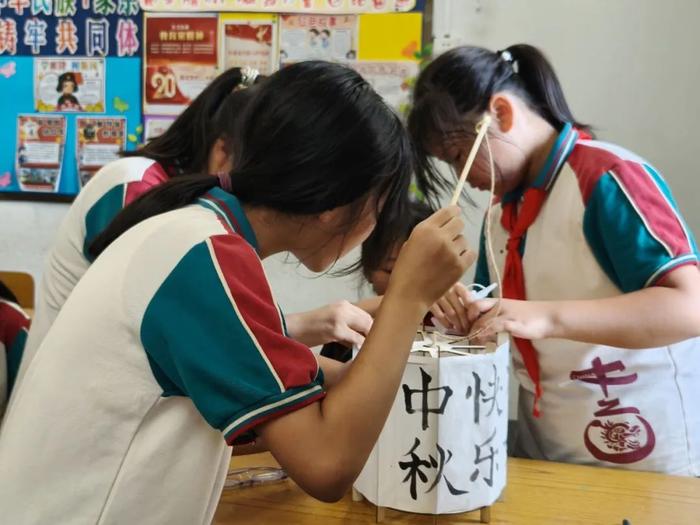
{"x": 169, "y": 348}
{"x": 609, "y": 226}
{"x": 114, "y": 186}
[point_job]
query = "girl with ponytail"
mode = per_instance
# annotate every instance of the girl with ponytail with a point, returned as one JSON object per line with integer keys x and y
{"x": 194, "y": 143}
{"x": 171, "y": 347}
{"x": 199, "y": 142}
{"x": 601, "y": 290}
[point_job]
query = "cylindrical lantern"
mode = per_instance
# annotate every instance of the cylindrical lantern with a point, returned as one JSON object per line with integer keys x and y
{"x": 443, "y": 447}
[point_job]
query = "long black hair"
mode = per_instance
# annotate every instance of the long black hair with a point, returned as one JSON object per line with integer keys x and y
{"x": 314, "y": 136}
{"x": 462, "y": 81}
{"x": 185, "y": 146}
{"x": 6, "y": 293}
{"x": 374, "y": 254}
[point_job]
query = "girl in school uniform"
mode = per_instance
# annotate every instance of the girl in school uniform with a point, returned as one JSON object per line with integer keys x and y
{"x": 14, "y": 323}
{"x": 601, "y": 285}
{"x": 171, "y": 346}
{"x": 196, "y": 142}
{"x": 377, "y": 263}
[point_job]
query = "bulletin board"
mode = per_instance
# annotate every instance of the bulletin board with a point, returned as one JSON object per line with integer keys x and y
{"x": 52, "y": 141}
{"x": 188, "y": 42}
{"x": 137, "y": 66}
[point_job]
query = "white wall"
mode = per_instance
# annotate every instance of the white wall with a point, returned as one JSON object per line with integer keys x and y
{"x": 629, "y": 67}
{"x": 27, "y": 230}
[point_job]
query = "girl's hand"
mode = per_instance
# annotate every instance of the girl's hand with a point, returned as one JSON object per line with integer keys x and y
{"x": 524, "y": 319}
{"x": 451, "y": 309}
{"x": 340, "y": 322}
{"x": 433, "y": 258}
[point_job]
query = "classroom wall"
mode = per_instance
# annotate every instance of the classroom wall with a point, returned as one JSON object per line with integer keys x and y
{"x": 27, "y": 230}
{"x": 627, "y": 66}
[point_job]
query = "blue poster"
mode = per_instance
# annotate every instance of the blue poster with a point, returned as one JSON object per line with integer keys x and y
{"x": 97, "y": 46}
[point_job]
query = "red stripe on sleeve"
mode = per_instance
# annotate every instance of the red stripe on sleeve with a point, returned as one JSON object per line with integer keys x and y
{"x": 662, "y": 220}
{"x": 657, "y": 212}
{"x": 589, "y": 165}
{"x": 153, "y": 176}
{"x": 232, "y": 439}
{"x": 293, "y": 362}
{"x": 12, "y": 321}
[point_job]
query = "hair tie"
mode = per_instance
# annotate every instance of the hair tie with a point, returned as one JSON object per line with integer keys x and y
{"x": 248, "y": 76}
{"x": 507, "y": 56}
{"x": 224, "y": 181}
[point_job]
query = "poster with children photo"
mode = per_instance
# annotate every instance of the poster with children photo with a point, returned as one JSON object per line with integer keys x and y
{"x": 99, "y": 141}
{"x": 318, "y": 37}
{"x": 41, "y": 141}
{"x": 69, "y": 85}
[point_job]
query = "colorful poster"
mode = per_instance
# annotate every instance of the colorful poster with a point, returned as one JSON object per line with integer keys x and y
{"x": 41, "y": 141}
{"x": 281, "y": 6}
{"x": 249, "y": 40}
{"x": 318, "y": 37}
{"x": 392, "y": 80}
{"x": 69, "y": 84}
{"x": 181, "y": 59}
{"x": 99, "y": 141}
{"x": 156, "y": 125}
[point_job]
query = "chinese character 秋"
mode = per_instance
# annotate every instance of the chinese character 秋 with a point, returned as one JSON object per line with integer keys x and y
{"x": 415, "y": 472}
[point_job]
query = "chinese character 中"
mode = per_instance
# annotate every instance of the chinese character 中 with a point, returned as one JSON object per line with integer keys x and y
{"x": 18, "y": 5}
{"x": 415, "y": 472}
{"x": 408, "y": 394}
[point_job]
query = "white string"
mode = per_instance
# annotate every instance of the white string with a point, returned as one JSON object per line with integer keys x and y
{"x": 490, "y": 256}
{"x": 481, "y": 129}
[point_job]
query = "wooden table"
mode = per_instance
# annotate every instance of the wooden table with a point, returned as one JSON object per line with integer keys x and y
{"x": 538, "y": 493}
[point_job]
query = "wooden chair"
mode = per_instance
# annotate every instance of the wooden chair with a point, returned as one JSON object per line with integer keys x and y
{"x": 22, "y": 285}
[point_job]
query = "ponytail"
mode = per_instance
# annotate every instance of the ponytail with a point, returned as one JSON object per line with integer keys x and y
{"x": 313, "y": 137}
{"x": 541, "y": 84}
{"x": 460, "y": 83}
{"x": 184, "y": 147}
{"x": 169, "y": 196}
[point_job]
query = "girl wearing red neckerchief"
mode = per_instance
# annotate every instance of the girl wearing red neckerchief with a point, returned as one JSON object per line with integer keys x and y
{"x": 600, "y": 280}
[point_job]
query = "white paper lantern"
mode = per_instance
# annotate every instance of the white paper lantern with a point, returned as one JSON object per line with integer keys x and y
{"x": 443, "y": 448}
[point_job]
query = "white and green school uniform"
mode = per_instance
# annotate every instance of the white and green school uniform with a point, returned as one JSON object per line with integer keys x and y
{"x": 169, "y": 349}
{"x": 609, "y": 226}
{"x": 113, "y": 187}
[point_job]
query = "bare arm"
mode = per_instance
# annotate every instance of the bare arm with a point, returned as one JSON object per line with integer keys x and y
{"x": 325, "y": 445}
{"x": 655, "y": 316}
{"x": 370, "y": 305}
{"x": 342, "y": 322}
